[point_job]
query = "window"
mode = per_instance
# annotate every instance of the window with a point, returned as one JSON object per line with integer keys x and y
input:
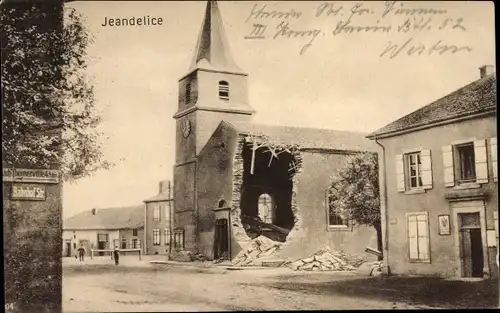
{"x": 156, "y": 237}
{"x": 188, "y": 92}
{"x": 466, "y": 165}
{"x": 156, "y": 214}
{"x": 179, "y": 239}
{"x": 414, "y": 166}
{"x": 418, "y": 237}
{"x": 414, "y": 171}
{"x": 124, "y": 243}
{"x": 167, "y": 237}
{"x": 266, "y": 207}
{"x": 102, "y": 237}
{"x": 224, "y": 90}
{"x": 134, "y": 232}
{"x": 334, "y": 213}
{"x": 134, "y": 244}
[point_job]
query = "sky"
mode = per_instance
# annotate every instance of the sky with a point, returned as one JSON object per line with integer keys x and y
{"x": 340, "y": 82}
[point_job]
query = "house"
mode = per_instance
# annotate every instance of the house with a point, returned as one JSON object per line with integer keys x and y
{"x": 103, "y": 229}
{"x": 441, "y": 189}
{"x": 235, "y": 180}
{"x": 158, "y": 222}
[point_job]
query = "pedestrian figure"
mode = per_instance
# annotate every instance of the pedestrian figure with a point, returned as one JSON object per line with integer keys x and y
{"x": 81, "y": 253}
{"x": 116, "y": 255}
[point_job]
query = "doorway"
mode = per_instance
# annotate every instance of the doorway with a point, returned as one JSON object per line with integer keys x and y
{"x": 102, "y": 243}
{"x": 221, "y": 244}
{"x": 68, "y": 248}
{"x": 471, "y": 245}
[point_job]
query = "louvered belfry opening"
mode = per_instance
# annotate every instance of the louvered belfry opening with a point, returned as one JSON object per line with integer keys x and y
{"x": 266, "y": 195}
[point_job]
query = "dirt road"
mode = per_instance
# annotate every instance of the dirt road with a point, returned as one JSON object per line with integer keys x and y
{"x": 148, "y": 288}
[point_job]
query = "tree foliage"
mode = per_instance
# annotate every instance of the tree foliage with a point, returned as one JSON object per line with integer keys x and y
{"x": 48, "y": 111}
{"x": 355, "y": 192}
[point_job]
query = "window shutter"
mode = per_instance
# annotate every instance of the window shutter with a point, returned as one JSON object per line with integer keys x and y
{"x": 495, "y": 220}
{"x": 493, "y": 148}
{"x": 481, "y": 161}
{"x": 449, "y": 175}
{"x": 423, "y": 238}
{"x": 412, "y": 237}
{"x": 426, "y": 169}
{"x": 400, "y": 173}
{"x": 138, "y": 243}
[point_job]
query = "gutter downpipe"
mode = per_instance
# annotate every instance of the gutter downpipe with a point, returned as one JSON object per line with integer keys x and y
{"x": 383, "y": 208}
{"x": 145, "y": 244}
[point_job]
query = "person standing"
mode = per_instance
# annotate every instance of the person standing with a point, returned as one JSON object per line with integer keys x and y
{"x": 81, "y": 253}
{"x": 116, "y": 255}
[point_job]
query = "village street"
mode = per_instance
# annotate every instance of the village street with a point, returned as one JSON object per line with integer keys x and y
{"x": 135, "y": 286}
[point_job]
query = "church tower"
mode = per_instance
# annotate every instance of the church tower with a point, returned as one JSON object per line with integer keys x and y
{"x": 214, "y": 89}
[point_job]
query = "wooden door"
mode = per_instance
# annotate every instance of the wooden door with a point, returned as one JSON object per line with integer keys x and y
{"x": 68, "y": 248}
{"x": 221, "y": 244}
{"x": 471, "y": 245}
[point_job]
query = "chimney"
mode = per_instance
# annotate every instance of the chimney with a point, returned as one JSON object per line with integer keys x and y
{"x": 164, "y": 185}
{"x": 486, "y": 70}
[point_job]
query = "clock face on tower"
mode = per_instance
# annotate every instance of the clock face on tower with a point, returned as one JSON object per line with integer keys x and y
{"x": 186, "y": 128}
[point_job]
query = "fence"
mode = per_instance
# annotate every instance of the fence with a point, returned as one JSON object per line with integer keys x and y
{"x": 110, "y": 251}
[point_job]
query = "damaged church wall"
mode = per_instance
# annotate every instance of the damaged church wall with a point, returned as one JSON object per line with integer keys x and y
{"x": 315, "y": 234}
{"x": 214, "y": 183}
{"x": 310, "y": 232}
{"x": 240, "y": 240}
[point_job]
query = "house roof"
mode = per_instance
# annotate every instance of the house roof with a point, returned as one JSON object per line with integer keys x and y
{"x": 129, "y": 217}
{"x": 309, "y": 138}
{"x": 475, "y": 98}
{"x": 164, "y": 196}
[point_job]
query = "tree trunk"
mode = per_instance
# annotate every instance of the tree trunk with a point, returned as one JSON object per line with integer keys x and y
{"x": 378, "y": 228}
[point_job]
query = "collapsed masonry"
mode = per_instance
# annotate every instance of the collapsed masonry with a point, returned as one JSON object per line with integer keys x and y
{"x": 261, "y": 251}
{"x": 264, "y": 168}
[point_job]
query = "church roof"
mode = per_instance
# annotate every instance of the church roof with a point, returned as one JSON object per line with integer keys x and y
{"x": 212, "y": 49}
{"x": 475, "y": 98}
{"x": 129, "y": 217}
{"x": 309, "y": 138}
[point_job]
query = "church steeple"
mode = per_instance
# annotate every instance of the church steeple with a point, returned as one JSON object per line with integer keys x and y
{"x": 212, "y": 49}
{"x": 215, "y": 89}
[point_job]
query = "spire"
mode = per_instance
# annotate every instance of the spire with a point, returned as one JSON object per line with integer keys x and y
{"x": 212, "y": 50}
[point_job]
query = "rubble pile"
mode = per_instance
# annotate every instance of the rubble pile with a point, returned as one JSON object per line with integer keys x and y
{"x": 326, "y": 260}
{"x": 258, "y": 249}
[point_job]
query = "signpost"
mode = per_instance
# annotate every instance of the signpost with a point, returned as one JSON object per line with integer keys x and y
{"x": 31, "y": 175}
{"x": 28, "y": 192}
{"x": 29, "y": 184}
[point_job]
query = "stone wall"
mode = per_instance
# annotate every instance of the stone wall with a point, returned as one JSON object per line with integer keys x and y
{"x": 239, "y": 235}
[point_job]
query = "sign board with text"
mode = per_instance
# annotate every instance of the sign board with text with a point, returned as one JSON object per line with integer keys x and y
{"x": 28, "y": 192}
{"x": 31, "y": 175}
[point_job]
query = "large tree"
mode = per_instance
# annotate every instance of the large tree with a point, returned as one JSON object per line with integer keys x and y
{"x": 48, "y": 111}
{"x": 355, "y": 192}
{"x": 48, "y": 121}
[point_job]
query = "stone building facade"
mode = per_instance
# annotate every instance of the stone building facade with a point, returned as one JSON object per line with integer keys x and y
{"x": 158, "y": 222}
{"x": 104, "y": 229}
{"x": 441, "y": 208}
